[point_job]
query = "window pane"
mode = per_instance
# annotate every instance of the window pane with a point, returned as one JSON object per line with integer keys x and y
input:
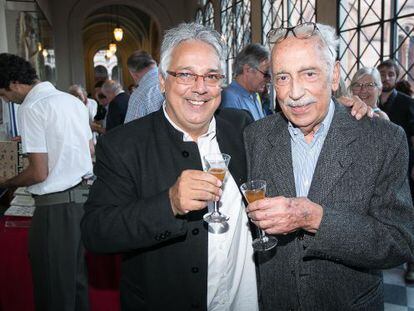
{"x": 199, "y": 17}
{"x": 370, "y": 11}
{"x": 374, "y": 30}
{"x": 209, "y": 15}
{"x": 277, "y": 13}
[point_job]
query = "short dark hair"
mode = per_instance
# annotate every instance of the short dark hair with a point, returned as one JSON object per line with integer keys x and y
{"x": 390, "y": 63}
{"x": 252, "y": 55}
{"x": 14, "y": 68}
{"x": 139, "y": 60}
{"x": 99, "y": 84}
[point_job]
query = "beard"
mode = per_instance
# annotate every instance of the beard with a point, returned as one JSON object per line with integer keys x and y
{"x": 387, "y": 87}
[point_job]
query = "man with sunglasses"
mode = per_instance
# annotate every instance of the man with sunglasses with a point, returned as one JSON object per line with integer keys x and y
{"x": 338, "y": 194}
{"x": 251, "y": 74}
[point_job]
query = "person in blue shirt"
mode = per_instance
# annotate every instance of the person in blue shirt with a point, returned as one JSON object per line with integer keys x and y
{"x": 251, "y": 74}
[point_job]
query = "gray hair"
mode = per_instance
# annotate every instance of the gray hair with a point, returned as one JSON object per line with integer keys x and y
{"x": 76, "y": 88}
{"x": 252, "y": 55}
{"x": 112, "y": 86}
{"x": 367, "y": 71}
{"x": 190, "y": 31}
{"x": 330, "y": 40}
{"x": 329, "y": 44}
{"x": 139, "y": 60}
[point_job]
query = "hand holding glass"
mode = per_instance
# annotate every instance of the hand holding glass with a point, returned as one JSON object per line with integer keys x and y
{"x": 216, "y": 164}
{"x": 256, "y": 190}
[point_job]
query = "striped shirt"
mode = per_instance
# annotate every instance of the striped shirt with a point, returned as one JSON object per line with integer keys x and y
{"x": 146, "y": 98}
{"x": 304, "y": 155}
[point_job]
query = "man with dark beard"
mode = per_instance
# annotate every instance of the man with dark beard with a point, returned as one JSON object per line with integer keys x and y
{"x": 400, "y": 109}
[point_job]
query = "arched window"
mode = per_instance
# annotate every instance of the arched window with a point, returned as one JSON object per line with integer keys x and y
{"x": 209, "y": 15}
{"x": 235, "y": 28}
{"x": 373, "y": 31}
{"x": 278, "y": 13}
{"x": 104, "y": 65}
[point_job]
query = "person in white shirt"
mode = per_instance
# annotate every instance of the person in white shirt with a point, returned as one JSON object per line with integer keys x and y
{"x": 151, "y": 191}
{"x": 56, "y": 136}
{"x": 79, "y": 92}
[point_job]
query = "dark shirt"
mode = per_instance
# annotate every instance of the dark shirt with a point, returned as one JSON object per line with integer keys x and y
{"x": 117, "y": 111}
{"x": 400, "y": 109}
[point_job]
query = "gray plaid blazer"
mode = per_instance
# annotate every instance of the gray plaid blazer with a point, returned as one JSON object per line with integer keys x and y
{"x": 368, "y": 223}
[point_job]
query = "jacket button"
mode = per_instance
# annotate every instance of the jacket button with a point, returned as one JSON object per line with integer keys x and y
{"x": 195, "y": 231}
{"x": 185, "y": 154}
{"x": 194, "y": 270}
{"x": 162, "y": 236}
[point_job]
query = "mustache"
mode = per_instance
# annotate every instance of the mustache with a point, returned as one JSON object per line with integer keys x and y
{"x": 299, "y": 103}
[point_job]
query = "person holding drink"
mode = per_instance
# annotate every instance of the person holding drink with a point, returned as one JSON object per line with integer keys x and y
{"x": 338, "y": 196}
{"x": 151, "y": 192}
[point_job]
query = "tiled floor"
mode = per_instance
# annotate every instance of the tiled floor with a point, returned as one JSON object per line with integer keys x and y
{"x": 399, "y": 296}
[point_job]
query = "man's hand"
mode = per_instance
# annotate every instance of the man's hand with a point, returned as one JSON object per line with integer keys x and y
{"x": 359, "y": 108}
{"x": 193, "y": 190}
{"x": 281, "y": 215}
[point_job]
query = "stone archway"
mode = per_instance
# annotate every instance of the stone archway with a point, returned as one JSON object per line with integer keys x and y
{"x": 71, "y": 52}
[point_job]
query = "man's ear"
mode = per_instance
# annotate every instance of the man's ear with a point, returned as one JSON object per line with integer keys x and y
{"x": 336, "y": 76}
{"x": 246, "y": 68}
{"x": 162, "y": 82}
{"x": 14, "y": 86}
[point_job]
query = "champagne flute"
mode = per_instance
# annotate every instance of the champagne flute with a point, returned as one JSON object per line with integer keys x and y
{"x": 256, "y": 190}
{"x": 216, "y": 164}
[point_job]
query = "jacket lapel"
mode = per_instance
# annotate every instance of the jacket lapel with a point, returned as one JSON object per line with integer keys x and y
{"x": 280, "y": 159}
{"x": 335, "y": 157}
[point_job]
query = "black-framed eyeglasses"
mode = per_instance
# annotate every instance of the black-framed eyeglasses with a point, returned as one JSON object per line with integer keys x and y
{"x": 358, "y": 86}
{"x": 301, "y": 31}
{"x": 266, "y": 75}
{"x": 189, "y": 78}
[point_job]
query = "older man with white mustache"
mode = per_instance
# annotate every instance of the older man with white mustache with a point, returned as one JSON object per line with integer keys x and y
{"x": 339, "y": 200}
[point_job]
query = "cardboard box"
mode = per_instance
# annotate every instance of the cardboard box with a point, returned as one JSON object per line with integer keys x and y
{"x": 12, "y": 161}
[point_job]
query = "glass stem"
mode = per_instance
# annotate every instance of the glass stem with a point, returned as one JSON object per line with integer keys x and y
{"x": 262, "y": 234}
{"x": 216, "y": 209}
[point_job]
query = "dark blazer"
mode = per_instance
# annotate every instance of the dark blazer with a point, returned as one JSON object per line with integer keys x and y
{"x": 360, "y": 181}
{"x": 400, "y": 109}
{"x": 117, "y": 110}
{"x": 164, "y": 265}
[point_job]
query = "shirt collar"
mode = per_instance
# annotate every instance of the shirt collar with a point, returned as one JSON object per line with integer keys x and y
{"x": 38, "y": 91}
{"x": 210, "y": 134}
{"x": 295, "y": 133}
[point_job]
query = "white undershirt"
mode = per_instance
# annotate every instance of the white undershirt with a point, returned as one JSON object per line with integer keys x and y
{"x": 231, "y": 279}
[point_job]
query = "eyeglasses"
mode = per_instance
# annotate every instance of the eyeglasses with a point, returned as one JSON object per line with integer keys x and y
{"x": 301, "y": 31}
{"x": 188, "y": 78}
{"x": 368, "y": 86}
{"x": 266, "y": 75}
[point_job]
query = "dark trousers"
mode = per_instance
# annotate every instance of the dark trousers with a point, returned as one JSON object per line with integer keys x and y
{"x": 57, "y": 258}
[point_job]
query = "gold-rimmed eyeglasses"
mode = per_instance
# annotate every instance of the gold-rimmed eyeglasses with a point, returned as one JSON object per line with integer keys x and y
{"x": 301, "y": 31}
{"x": 189, "y": 78}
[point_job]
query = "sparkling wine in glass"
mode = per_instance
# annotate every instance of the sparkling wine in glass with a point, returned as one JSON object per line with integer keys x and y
{"x": 216, "y": 164}
{"x": 256, "y": 190}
